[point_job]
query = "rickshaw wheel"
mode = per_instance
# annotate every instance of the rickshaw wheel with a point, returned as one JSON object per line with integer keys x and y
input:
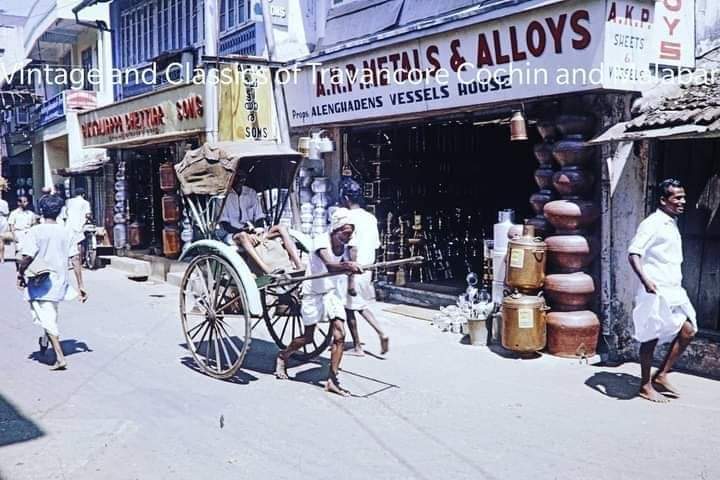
{"x": 281, "y": 309}
{"x": 215, "y": 315}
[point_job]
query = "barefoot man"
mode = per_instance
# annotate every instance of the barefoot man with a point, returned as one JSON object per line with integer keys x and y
{"x": 325, "y": 297}
{"x": 663, "y": 312}
{"x": 362, "y": 249}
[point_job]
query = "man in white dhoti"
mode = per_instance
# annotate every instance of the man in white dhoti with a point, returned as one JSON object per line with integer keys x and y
{"x": 663, "y": 312}
{"x": 53, "y": 244}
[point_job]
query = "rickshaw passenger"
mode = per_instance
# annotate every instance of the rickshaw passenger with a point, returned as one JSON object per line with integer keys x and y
{"x": 238, "y": 221}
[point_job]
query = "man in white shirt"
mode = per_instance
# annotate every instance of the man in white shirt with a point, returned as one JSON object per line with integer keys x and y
{"x": 20, "y": 221}
{"x": 238, "y": 223}
{"x": 363, "y": 246}
{"x": 75, "y": 214}
{"x": 54, "y": 244}
{"x": 663, "y": 312}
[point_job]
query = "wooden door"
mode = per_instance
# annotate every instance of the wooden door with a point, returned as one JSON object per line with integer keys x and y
{"x": 696, "y": 163}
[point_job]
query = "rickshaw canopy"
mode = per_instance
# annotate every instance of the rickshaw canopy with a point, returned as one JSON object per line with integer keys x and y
{"x": 211, "y": 169}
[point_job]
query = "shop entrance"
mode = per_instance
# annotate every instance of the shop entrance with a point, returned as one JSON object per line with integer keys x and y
{"x": 446, "y": 181}
{"x": 696, "y": 163}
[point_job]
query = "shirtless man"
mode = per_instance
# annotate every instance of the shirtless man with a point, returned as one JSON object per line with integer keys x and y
{"x": 242, "y": 213}
{"x": 323, "y": 298}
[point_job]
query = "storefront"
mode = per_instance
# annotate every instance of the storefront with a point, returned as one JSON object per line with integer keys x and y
{"x": 142, "y": 135}
{"x": 426, "y": 113}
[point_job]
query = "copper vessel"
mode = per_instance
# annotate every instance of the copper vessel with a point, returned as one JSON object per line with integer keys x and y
{"x": 573, "y": 152}
{"x": 569, "y": 292}
{"x": 569, "y": 253}
{"x": 168, "y": 180}
{"x": 543, "y": 177}
{"x": 573, "y": 182}
{"x": 135, "y": 237}
{"x": 575, "y": 124}
{"x": 539, "y": 199}
{"x": 543, "y": 228}
{"x": 547, "y": 129}
{"x": 572, "y": 334}
{"x": 571, "y": 216}
{"x": 170, "y": 208}
{"x": 543, "y": 153}
{"x": 526, "y": 257}
{"x": 171, "y": 242}
{"x": 523, "y": 323}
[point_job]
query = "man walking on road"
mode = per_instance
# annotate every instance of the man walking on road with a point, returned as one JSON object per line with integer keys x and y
{"x": 323, "y": 298}
{"x": 20, "y": 221}
{"x": 53, "y": 244}
{"x": 362, "y": 250}
{"x": 663, "y": 312}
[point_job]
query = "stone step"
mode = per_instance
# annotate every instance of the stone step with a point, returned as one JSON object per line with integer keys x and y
{"x": 133, "y": 268}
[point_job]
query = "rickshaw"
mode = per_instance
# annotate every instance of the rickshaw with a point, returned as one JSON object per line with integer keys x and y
{"x": 221, "y": 299}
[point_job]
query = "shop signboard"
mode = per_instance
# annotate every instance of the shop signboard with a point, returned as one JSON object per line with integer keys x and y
{"x": 51, "y": 110}
{"x": 561, "y": 48}
{"x": 158, "y": 117}
{"x": 246, "y": 104}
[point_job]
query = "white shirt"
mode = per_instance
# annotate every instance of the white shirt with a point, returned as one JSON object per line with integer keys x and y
{"x": 75, "y": 213}
{"x": 659, "y": 245}
{"x": 55, "y": 244}
{"x": 22, "y": 220}
{"x": 321, "y": 286}
{"x": 243, "y": 208}
{"x": 4, "y": 212}
{"x": 366, "y": 237}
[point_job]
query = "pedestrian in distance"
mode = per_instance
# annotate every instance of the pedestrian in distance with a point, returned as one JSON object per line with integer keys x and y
{"x": 663, "y": 312}
{"x": 324, "y": 298}
{"x": 5, "y": 234}
{"x": 53, "y": 244}
{"x": 20, "y": 221}
{"x": 362, "y": 250}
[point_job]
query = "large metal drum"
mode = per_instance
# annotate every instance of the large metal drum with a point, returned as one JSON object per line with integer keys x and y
{"x": 523, "y": 323}
{"x": 526, "y": 259}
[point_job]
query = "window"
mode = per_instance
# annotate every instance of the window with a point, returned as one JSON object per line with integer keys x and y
{"x": 231, "y": 13}
{"x": 223, "y": 14}
{"x": 195, "y": 18}
{"x": 86, "y": 60}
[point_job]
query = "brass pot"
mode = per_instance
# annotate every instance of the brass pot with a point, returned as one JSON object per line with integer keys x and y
{"x": 575, "y": 124}
{"x": 547, "y": 129}
{"x": 569, "y": 253}
{"x": 544, "y": 177}
{"x": 543, "y": 153}
{"x": 523, "y": 323}
{"x": 572, "y": 334}
{"x": 526, "y": 257}
{"x": 543, "y": 228}
{"x": 569, "y": 292}
{"x": 571, "y": 216}
{"x": 573, "y": 181}
{"x": 539, "y": 199}
{"x": 569, "y": 153}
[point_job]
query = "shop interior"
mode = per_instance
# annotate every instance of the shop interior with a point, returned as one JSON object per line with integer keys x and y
{"x": 444, "y": 183}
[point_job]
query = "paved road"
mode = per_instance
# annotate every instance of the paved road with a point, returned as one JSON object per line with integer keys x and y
{"x": 131, "y": 406}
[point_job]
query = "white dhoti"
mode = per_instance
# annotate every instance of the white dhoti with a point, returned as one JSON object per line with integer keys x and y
{"x": 365, "y": 292}
{"x": 661, "y": 316}
{"x": 322, "y": 307}
{"x": 44, "y": 314}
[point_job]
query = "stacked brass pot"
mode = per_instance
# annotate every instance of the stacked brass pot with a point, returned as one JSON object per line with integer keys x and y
{"x": 572, "y": 327}
{"x": 543, "y": 177}
{"x": 524, "y": 311}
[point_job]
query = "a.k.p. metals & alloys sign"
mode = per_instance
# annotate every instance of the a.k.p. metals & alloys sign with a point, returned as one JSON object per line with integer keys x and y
{"x": 566, "y": 47}
{"x": 153, "y": 118}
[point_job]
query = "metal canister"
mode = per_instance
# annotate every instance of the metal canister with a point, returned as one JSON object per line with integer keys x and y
{"x": 526, "y": 258}
{"x": 523, "y": 323}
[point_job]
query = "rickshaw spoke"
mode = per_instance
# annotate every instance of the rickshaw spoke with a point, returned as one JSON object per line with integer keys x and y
{"x": 202, "y": 339}
{"x": 198, "y": 326}
{"x": 217, "y": 278}
{"x": 217, "y": 351}
{"x": 225, "y": 353}
{"x": 230, "y": 340}
{"x": 256, "y": 323}
{"x": 293, "y": 327}
{"x": 211, "y": 277}
{"x": 221, "y": 309}
{"x": 222, "y": 295}
{"x": 282, "y": 335}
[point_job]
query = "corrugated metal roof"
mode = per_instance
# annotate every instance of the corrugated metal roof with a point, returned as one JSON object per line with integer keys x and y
{"x": 364, "y": 18}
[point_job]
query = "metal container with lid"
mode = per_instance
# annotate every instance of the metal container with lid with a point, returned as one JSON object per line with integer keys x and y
{"x": 523, "y": 323}
{"x": 526, "y": 259}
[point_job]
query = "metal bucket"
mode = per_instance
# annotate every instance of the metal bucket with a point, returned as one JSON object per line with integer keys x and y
{"x": 478, "y": 331}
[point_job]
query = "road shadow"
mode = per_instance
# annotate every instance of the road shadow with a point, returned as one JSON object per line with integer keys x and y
{"x": 503, "y": 352}
{"x": 621, "y": 386}
{"x": 14, "y": 427}
{"x": 69, "y": 347}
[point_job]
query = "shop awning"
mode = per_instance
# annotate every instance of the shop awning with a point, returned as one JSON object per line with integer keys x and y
{"x": 89, "y": 166}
